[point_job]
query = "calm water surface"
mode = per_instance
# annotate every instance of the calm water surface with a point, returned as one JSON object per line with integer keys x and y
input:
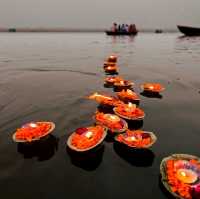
{"x": 46, "y": 77}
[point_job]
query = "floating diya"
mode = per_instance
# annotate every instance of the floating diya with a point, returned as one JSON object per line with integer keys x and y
{"x": 152, "y": 87}
{"x": 137, "y": 139}
{"x": 129, "y": 111}
{"x": 123, "y": 84}
{"x": 84, "y": 139}
{"x": 105, "y": 100}
{"x": 111, "y": 121}
{"x": 33, "y": 131}
{"x": 112, "y": 59}
{"x": 111, "y": 69}
{"x": 106, "y": 64}
{"x": 112, "y": 79}
{"x": 181, "y": 175}
{"x": 128, "y": 95}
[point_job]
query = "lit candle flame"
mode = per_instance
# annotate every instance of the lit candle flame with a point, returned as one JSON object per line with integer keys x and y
{"x": 121, "y": 82}
{"x": 151, "y": 87}
{"x": 33, "y": 125}
{"x": 183, "y": 174}
{"x": 129, "y": 91}
{"x": 113, "y": 118}
{"x": 89, "y": 134}
{"x": 133, "y": 138}
{"x": 130, "y": 105}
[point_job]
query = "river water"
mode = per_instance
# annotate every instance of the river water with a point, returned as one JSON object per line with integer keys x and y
{"x": 46, "y": 76}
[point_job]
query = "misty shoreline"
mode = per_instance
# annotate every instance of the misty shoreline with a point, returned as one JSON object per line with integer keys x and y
{"x": 86, "y": 30}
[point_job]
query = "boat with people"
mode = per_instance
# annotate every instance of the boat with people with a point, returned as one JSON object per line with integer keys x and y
{"x": 189, "y": 30}
{"x": 122, "y": 29}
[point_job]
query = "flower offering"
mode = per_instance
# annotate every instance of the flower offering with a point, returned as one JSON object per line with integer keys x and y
{"x": 181, "y": 175}
{"x": 105, "y": 99}
{"x": 128, "y": 95}
{"x": 33, "y": 131}
{"x": 84, "y": 139}
{"x": 152, "y": 87}
{"x": 137, "y": 139}
{"x": 129, "y": 111}
{"x": 111, "y": 121}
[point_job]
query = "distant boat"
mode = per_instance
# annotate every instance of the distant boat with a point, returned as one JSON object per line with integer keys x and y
{"x": 109, "y": 32}
{"x": 158, "y": 31}
{"x": 189, "y": 31}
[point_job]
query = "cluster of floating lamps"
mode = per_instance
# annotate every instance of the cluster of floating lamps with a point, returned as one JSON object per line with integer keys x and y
{"x": 180, "y": 173}
{"x": 123, "y": 109}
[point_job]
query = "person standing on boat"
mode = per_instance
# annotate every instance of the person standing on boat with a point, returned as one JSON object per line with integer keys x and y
{"x": 119, "y": 28}
{"x": 123, "y": 28}
{"x": 126, "y": 27}
{"x": 114, "y": 27}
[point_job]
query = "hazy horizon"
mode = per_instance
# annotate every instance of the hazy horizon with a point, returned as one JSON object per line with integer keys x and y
{"x": 93, "y": 14}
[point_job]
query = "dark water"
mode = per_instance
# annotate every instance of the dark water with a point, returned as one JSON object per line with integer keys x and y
{"x": 46, "y": 76}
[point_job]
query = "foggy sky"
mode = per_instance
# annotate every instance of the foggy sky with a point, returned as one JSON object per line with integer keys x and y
{"x": 98, "y": 13}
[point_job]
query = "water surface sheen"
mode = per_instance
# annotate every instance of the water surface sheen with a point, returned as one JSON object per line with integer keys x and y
{"x": 45, "y": 76}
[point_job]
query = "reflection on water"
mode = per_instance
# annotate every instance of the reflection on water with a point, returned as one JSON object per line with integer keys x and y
{"x": 105, "y": 109}
{"x": 88, "y": 160}
{"x": 135, "y": 124}
{"x": 47, "y": 75}
{"x": 122, "y": 39}
{"x": 43, "y": 149}
{"x": 139, "y": 158}
{"x": 151, "y": 94}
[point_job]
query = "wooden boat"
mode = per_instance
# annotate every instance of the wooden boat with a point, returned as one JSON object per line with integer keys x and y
{"x": 189, "y": 31}
{"x": 158, "y": 31}
{"x": 108, "y": 32}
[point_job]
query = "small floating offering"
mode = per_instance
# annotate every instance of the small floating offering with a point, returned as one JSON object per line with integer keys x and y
{"x": 112, "y": 59}
{"x": 137, "y": 139}
{"x": 113, "y": 79}
{"x": 128, "y": 95}
{"x": 181, "y": 175}
{"x": 112, "y": 122}
{"x": 111, "y": 69}
{"x": 152, "y": 87}
{"x": 123, "y": 84}
{"x": 84, "y": 139}
{"x": 33, "y": 131}
{"x": 106, "y": 64}
{"x": 129, "y": 111}
{"x": 105, "y": 100}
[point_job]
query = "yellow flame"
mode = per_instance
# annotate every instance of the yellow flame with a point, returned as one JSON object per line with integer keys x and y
{"x": 89, "y": 134}
{"x": 129, "y": 91}
{"x": 183, "y": 173}
{"x": 33, "y": 125}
